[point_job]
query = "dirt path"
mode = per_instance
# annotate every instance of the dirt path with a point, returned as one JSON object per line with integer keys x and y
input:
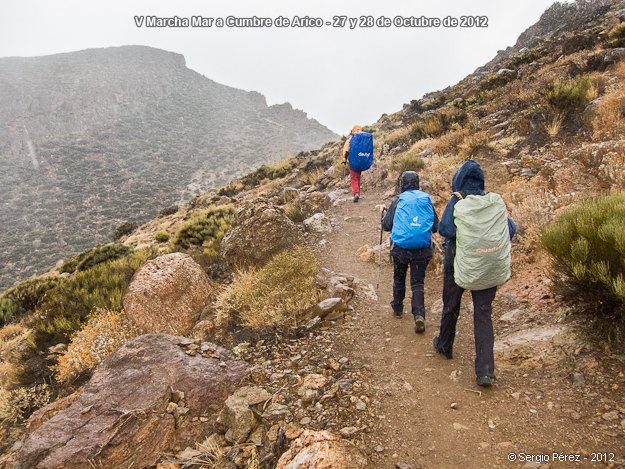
{"x": 529, "y": 410}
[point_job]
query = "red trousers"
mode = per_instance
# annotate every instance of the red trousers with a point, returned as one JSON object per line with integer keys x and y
{"x": 355, "y": 178}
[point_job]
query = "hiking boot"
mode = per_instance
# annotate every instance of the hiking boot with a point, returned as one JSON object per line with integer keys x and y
{"x": 444, "y": 355}
{"x": 356, "y": 197}
{"x": 419, "y": 324}
{"x": 398, "y": 314}
{"x": 484, "y": 381}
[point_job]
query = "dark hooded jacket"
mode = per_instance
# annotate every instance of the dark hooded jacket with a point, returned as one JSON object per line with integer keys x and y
{"x": 468, "y": 180}
{"x": 409, "y": 182}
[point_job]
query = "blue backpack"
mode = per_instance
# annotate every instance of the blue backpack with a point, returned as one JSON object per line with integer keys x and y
{"x": 361, "y": 151}
{"x": 413, "y": 221}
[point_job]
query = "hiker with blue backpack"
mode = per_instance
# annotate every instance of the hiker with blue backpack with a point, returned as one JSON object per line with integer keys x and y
{"x": 358, "y": 150}
{"x": 411, "y": 219}
{"x": 477, "y": 234}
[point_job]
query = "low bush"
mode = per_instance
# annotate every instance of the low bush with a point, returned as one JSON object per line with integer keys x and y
{"x": 398, "y": 137}
{"x": 161, "y": 237}
{"x": 25, "y": 296}
{"x": 124, "y": 229}
{"x": 587, "y": 246}
{"x": 294, "y": 212}
{"x": 208, "y": 226}
{"x": 409, "y": 162}
{"x": 478, "y": 98}
{"x": 87, "y": 259}
{"x": 104, "y": 333}
{"x": 437, "y": 124}
{"x": 65, "y": 308}
{"x": 168, "y": 211}
{"x": 566, "y": 96}
{"x": 279, "y": 293}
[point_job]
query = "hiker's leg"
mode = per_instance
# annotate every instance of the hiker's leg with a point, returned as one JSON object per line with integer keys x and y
{"x": 354, "y": 177}
{"x": 452, "y": 294}
{"x": 417, "y": 279}
{"x": 483, "y": 330}
{"x": 399, "y": 285}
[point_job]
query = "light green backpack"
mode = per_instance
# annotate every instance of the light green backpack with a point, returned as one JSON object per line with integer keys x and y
{"x": 482, "y": 242}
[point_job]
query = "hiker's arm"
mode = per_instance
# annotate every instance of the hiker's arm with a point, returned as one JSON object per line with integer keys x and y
{"x": 511, "y": 228}
{"x": 447, "y": 226}
{"x": 435, "y": 227}
{"x": 387, "y": 221}
{"x": 346, "y": 149}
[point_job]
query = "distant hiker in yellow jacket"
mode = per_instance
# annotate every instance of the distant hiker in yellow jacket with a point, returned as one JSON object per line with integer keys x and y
{"x": 353, "y": 175}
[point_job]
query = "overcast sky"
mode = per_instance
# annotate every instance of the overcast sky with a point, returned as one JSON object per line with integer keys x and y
{"x": 338, "y": 76}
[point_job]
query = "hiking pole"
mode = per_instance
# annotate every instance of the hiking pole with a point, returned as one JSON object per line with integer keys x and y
{"x": 380, "y": 252}
{"x": 437, "y": 245}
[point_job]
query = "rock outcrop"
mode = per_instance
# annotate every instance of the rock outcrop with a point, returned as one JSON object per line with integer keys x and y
{"x": 260, "y": 230}
{"x": 157, "y": 393}
{"x": 322, "y": 450}
{"x": 166, "y": 294}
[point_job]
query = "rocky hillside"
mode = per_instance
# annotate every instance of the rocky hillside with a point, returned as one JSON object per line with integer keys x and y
{"x": 94, "y": 138}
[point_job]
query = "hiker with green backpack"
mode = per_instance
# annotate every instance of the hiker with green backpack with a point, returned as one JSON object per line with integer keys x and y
{"x": 477, "y": 234}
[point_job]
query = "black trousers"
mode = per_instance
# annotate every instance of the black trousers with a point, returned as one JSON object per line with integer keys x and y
{"x": 482, "y": 322}
{"x": 417, "y": 278}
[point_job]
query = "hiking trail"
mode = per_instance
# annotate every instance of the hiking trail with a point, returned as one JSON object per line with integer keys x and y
{"x": 428, "y": 411}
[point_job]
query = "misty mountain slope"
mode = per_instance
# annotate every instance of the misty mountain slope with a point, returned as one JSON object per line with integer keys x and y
{"x": 93, "y": 138}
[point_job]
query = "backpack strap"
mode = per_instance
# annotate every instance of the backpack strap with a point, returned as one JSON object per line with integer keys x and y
{"x": 459, "y": 195}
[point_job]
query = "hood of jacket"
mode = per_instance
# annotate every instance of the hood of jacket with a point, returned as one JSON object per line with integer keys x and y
{"x": 409, "y": 181}
{"x": 469, "y": 178}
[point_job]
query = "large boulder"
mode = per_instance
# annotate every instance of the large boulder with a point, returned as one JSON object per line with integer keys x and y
{"x": 260, "y": 231}
{"x": 158, "y": 393}
{"x": 166, "y": 294}
{"x": 322, "y": 450}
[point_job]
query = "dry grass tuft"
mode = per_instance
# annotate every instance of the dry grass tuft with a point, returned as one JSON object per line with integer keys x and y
{"x": 281, "y": 292}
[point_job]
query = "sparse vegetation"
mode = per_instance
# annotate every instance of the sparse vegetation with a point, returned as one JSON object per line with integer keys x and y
{"x": 587, "y": 245}
{"x": 161, "y": 236}
{"x": 398, "y": 137}
{"x": 437, "y": 123}
{"x": 104, "y": 332}
{"x": 529, "y": 57}
{"x": 124, "y": 229}
{"x": 87, "y": 259}
{"x": 478, "y": 98}
{"x": 272, "y": 172}
{"x": 278, "y": 293}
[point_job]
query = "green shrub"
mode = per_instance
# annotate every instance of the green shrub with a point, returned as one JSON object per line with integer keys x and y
{"x": 568, "y": 95}
{"x": 587, "y": 246}
{"x": 161, "y": 237}
{"x": 168, "y": 211}
{"x": 124, "y": 229}
{"x": 87, "y": 259}
{"x": 66, "y": 307}
{"x": 294, "y": 212}
{"x": 28, "y": 293}
{"x": 210, "y": 225}
{"x": 8, "y": 310}
{"x": 281, "y": 292}
{"x": 617, "y": 32}
{"x": 409, "y": 162}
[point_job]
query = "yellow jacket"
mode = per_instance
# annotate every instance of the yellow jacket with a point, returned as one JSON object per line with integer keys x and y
{"x": 356, "y": 128}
